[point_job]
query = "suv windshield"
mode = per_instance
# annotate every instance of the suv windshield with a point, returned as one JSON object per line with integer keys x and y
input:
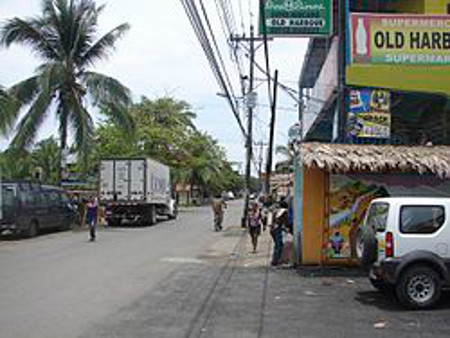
{"x": 377, "y": 217}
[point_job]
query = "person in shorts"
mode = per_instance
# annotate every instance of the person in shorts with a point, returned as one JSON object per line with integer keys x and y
{"x": 254, "y": 224}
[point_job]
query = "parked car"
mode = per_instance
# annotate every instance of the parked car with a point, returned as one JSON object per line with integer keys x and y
{"x": 405, "y": 242}
{"x": 27, "y": 208}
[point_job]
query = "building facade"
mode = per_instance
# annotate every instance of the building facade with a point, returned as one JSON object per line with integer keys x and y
{"x": 381, "y": 85}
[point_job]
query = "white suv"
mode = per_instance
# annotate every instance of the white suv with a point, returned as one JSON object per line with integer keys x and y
{"x": 406, "y": 244}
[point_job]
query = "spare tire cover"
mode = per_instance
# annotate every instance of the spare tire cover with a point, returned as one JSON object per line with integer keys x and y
{"x": 366, "y": 246}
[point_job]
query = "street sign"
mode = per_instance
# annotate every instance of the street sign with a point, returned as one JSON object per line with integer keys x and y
{"x": 306, "y": 18}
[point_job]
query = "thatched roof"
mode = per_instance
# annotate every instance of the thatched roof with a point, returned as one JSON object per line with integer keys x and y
{"x": 345, "y": 158}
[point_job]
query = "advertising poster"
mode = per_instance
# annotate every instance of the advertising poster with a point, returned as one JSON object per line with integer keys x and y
{"x": 298, "y": 18}
{"x": 400, "y": 39}
{"x": 350, "y": 196}
{"x": 369, "y": 114}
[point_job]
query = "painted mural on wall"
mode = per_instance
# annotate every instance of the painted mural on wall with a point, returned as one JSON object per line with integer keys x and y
{"x": 350, "y": 196}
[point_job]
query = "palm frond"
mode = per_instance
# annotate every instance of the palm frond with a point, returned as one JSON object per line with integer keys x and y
{"x": 25, "y": 91}
{"x": 83, "y": 128}
{"x": 9, "y": 111}
{"x": 100, "y": 50}
{"x": 29, "y": 33}
{"x": 106, "y": 91}
{"x": 30, "y": 123}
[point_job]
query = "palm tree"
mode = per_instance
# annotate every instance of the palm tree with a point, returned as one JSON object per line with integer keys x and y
{"x": 287, "y": 164}
{"x": 45, "y": 156}
{"x": 7, "y": 108}
{"x": 64, "y": 37}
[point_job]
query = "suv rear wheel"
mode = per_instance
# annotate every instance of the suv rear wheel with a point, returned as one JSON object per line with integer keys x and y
{"x": 419, "y": 287}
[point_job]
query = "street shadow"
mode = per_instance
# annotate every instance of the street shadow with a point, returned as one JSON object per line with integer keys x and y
{"x": 330, "y": 271}
{"x": 389, "y": 302}
{"x": 42, "y": 233}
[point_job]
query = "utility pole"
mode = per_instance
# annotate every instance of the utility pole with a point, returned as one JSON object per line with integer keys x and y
{"x": 271, "y": 135}
{"x": 251, "y": 102}
{"x": 250, "y": 105}
{"x": 261, "y": 146}
{"x": 342, "y": 105}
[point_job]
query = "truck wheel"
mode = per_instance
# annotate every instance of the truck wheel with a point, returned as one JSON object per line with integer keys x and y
{"x": 419, "y": 287}
{"x": 174, "y": 213}
{"x": 152, "y": 214}
{"x": 366, "y": 247}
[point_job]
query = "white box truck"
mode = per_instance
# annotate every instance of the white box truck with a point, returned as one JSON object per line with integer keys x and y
{"x": 135, "y": 190}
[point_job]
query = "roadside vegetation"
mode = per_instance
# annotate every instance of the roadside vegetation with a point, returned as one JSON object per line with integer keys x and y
{"x": 64, "y": 37}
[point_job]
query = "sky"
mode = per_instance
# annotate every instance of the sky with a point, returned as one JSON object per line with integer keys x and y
{"x": 160, "y": 55}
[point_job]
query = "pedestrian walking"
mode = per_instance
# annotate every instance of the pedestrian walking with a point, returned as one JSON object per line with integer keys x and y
{"x": 91, "y": 217}
{"x": 278, "y": 226}
{"x": 254, "y": 224}
{"x": 218, "y": 205}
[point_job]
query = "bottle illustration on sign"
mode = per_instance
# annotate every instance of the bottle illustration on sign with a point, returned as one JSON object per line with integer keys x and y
{"x": 361, "y": 39}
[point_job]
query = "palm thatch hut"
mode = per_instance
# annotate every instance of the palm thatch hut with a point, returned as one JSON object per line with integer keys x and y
{"x": 340, "y": 181}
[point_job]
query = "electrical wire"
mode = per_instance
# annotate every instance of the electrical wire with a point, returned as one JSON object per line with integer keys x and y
{"x": 199, "y": 29}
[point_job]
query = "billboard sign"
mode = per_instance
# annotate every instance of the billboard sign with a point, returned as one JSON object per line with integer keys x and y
{"x": 298, "y": 17}
{"x": 400, "y": 39}
{"x": 369, "y": 114}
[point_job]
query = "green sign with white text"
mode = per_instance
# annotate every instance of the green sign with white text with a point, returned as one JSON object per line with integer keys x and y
{"x": 298, "y": 18}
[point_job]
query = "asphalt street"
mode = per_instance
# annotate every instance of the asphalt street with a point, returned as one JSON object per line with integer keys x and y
{"x": 181, "y": 279}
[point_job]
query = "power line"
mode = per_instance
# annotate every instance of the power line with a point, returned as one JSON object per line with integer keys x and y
{"x": 199, "y": 29}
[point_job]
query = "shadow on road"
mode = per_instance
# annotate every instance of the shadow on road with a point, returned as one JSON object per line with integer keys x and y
{"x": 389, "y": 302}
{"x": 330, "y": 272}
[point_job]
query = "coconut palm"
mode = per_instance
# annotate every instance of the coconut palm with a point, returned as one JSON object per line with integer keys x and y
{"x": 7, "y": 108}
{"x": 64, "y": 37}
{"x": 287, "y": 164}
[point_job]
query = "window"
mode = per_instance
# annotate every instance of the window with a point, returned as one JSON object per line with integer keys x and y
{"x": 377, "y": 217}
{"x": 8, "y": 199}
{"x": 421, "y": 219}
{"x": 27, "y": 198}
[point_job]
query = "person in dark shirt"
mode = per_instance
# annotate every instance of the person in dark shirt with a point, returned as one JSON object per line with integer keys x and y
{"x": 91, "y": 217}
{"x": 280, "y": 224}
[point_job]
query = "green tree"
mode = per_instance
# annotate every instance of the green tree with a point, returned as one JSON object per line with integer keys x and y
{"x": 45, "y": 156}
{"x": 287, "y": 164}
{"x": 64, "y": 37}
{"x": 165, "y": 131}
{"x": 15, "y": 164}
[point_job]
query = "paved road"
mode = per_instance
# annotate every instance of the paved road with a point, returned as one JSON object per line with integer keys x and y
{"x": 59, "y": 285}
{"x": 180, "y": 279}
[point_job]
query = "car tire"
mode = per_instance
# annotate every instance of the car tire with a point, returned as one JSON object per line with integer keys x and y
{"x": 382, "y": 286}
{"x": 419, "y": 287}
{"x": 33, "y": 229}
{"x": 366, "y": 247}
